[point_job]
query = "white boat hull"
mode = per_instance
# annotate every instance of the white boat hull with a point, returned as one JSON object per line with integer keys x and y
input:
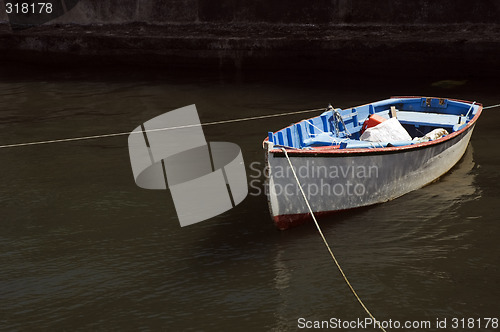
{"x": 341, "y": 181}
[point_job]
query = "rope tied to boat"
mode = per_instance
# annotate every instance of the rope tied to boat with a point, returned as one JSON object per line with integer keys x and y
{"x": 334, "y": 142}
{"x": 327, "y": 245}
{"x": 84, "y": 138}
{"x": 336, "y": 119}
{"x": 492, "y": 106}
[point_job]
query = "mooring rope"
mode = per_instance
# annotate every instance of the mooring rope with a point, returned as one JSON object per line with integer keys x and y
{"x": 83, "y": 138}
{"x": 492, "y": 106}
{"x": 327, "y": 245}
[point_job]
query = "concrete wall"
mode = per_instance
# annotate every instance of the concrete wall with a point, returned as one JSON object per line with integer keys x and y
{"x": 126, "y": 11}
{"x": 350, "y": 11}
{"x": 283, "y": 11}
{"x": 347, "y": 35}
{"x": 3, "y": 14}
{"x": 275, "y": 11}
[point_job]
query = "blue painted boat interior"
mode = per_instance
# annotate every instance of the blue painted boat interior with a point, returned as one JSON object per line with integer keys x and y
{"x": 418, "y": 116}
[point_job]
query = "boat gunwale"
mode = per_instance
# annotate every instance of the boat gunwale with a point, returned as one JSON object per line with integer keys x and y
{"x": 335, "y": 151}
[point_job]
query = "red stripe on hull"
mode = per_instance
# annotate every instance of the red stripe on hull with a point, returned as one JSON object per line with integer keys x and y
{"x": 286, "y": 221}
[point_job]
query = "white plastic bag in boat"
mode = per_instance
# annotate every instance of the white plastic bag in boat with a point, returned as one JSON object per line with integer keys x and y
{"x": 433, "y": 135}
{"x": 387, "y": 131}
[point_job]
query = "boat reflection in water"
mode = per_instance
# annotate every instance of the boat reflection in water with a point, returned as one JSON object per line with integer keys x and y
{"x": 403, "y": 244}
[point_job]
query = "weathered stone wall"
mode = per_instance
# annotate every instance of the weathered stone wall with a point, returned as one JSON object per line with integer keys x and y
{"x": 275, "y": 11}
{"x": 3, "y": 14}
{"x": 439, "y": 37}
{"x": 128, "y": 11}
{"x": 350, "y": 11}
{"x": 285, "y": 11}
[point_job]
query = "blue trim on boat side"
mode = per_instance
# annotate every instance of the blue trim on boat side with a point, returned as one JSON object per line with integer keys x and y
{"x": 424, "y": 112}
{"x": 377, "y": 151}
{"x": 394, "y": 148}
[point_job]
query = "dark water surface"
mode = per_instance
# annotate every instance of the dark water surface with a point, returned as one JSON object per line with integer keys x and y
{"x": 82, "y": 247}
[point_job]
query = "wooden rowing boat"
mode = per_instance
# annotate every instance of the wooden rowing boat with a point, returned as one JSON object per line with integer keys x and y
{"x": 338, "y": 170}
